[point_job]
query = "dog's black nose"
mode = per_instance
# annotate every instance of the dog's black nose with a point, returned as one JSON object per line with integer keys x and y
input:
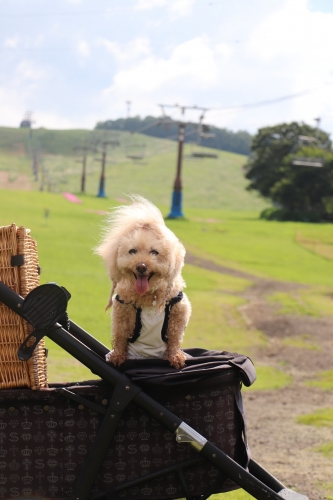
{"x": 141, "y": 268}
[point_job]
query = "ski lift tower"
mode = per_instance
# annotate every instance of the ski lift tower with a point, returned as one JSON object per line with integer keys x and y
{"x": 176, "y": 205}
{"x": 104, "y": 144}
{"x": 84, "y": 150}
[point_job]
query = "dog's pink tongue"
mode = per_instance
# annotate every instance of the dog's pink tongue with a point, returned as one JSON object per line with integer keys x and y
{"x": 141, "y": 284}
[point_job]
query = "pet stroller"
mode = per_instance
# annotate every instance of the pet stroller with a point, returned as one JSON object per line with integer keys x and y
{"x": 145, "y": 431}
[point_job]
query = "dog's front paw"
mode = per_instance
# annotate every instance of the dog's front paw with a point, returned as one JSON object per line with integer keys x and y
{"x": 115, "y": 359}
{"x": 177, "y": 360}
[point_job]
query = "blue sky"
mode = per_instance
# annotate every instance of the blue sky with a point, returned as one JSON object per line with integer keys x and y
{"x": 76, "y": 62}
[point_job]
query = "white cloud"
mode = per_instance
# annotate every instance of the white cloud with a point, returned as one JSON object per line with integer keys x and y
{"x": 190, "y": 64}
{"x": 224, "y": 49}
{"x": 15, "y": 101}
{"x": 293, "y": 30}
{"x": 132, "y": 50}
{"x": 295, "y": 44}
{"x": 190, "y": 67}
{"x": 176, "y": 8}
{"x": 284, "y": 48}
{"x": 11, "y": 42}
{"x": 150, "y": 4}
{"x": 12, "y": 104}
{"x": 18, "y": 92}
{"x": 27, "y": 72}
{"x": 55, "y": 121}
{"x": 83, "y": 48}
{"x": 180, "y": 8}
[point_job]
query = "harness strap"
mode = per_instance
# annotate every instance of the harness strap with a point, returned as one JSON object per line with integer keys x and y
{"x": 167, "y": 311}
{"x": 138, "y": 326}
{"x": 122, "y": 301}
{"x": 138, "y": 322}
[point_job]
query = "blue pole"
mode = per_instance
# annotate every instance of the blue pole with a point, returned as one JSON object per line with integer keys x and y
{"x": 176, "y": 206}
{"x": 177, "y": 196}
{"x": 101, "y": 191}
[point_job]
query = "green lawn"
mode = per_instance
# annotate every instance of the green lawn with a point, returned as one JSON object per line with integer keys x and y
{"x": 315, "y": 301}
{"x": 326, "y": 449}
{"x": 321, "y": 418}
{"x": 232, "y": 495}
{"x": 66, "y": 238}
{"x": 269, "y": 378}
{"x": 264, "y": 248}
{"x": 324, "y": 380}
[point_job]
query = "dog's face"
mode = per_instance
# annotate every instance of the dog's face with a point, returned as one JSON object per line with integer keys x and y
{"x": 146, "y": 256}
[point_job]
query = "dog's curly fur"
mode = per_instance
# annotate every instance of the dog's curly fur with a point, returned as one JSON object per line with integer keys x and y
{"x": 144, "y": 260}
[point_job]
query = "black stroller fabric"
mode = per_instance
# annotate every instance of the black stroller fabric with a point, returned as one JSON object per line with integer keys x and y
{"x": 45, "y": 437}
{"x": 201, "y": 365}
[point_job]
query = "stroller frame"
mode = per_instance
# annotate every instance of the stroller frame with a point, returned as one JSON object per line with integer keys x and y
{"x": 81, "y": 345}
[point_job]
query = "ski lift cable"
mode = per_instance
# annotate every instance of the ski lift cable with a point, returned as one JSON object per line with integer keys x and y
{"x": 270, "y": 101}
{"x": 171, "y": 137}
{"x": 146, "y": 127}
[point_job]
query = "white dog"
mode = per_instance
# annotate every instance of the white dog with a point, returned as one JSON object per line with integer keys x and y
{"x": 144, "y": 260}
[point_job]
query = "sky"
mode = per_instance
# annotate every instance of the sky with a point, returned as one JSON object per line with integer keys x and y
{"x": 248, "y": 63}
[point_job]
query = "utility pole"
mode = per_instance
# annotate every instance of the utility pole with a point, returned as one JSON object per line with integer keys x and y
{"x": 34, "y": 145}
{"x": 128, "y": 103}
{"x": 43, "y": 177}
{"x": 84, "y": 149}
{"x": 35, "y": 159}
{"x": 176, "y": 205}
{"x": 105, "y": 144}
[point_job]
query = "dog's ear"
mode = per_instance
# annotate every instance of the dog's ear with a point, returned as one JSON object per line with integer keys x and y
{"x": 108, "y": 250}
{"x": 109, "y": 304}
{"x": 179, "y": 256}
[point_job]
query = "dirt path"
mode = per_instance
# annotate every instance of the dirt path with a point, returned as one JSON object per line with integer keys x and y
{"x": 20, "y": 182}
{"x": 277, "y": 442}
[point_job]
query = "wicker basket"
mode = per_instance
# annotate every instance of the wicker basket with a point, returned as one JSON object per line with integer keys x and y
{"x": 19, "y": 270}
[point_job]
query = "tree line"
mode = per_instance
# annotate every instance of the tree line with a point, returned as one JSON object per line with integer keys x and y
{"x": 217, "y": 138}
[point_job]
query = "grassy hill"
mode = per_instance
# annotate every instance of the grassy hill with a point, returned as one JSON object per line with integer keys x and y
{"x": 208, "y": 183}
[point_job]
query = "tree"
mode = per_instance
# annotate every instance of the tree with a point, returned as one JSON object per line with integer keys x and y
{"x": 226, "y": 140}
{"x": 299, "y": 192}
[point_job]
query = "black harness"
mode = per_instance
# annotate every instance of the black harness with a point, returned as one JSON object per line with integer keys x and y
{"x": 138, "y": 323}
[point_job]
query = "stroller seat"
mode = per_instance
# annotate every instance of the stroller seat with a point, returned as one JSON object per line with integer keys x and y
{"x": 57, "y": 426}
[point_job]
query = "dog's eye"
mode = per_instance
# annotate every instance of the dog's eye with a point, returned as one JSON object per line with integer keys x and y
{"x": 154, "y": 252}
{"x": 132, "y": 251}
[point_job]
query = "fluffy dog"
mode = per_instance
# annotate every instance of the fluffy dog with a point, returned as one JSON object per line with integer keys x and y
{"x": 144, "y": 260}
